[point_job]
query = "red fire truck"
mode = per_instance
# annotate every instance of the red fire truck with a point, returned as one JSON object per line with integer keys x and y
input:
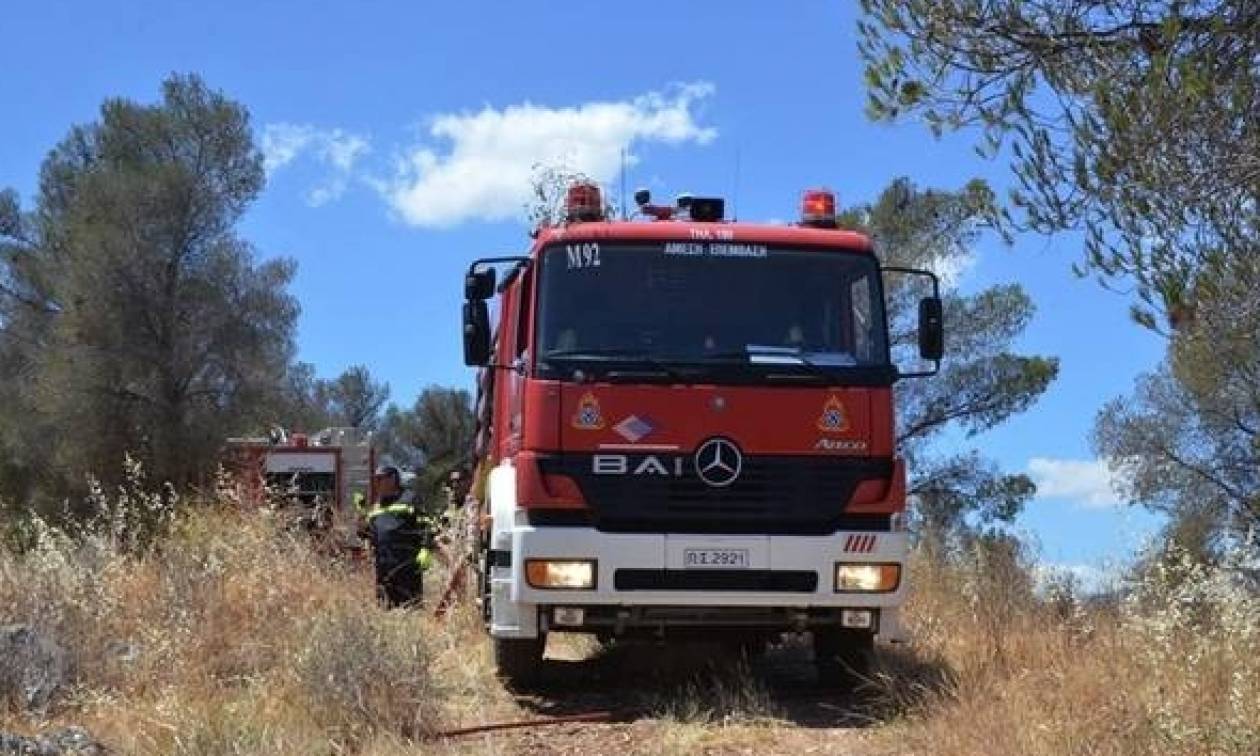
{"x": 320, "y": 473}
{"x": 687, "y": 431}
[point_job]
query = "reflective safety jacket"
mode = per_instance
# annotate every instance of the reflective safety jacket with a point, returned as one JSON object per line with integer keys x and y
{"x": 396, "y": 527}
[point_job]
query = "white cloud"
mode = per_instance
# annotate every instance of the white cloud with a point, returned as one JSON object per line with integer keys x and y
{"x": 1087, "y": 482}
{"x": 330, "y": 190}
{"x": 335, "y": 149}
{"x": 478, "y": 165}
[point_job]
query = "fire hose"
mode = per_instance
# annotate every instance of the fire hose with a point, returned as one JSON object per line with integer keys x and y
{"x": 584, "y": 718}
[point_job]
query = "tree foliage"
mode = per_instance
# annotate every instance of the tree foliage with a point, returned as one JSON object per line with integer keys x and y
{"x": 353, "y": 399}
{"x": 133, "y": 318}
{"x": 549, "y": 185}
{"x": 1137, "y": 121}
{"x": 1187, "y": 443}
{"x": 434, "y": 436}
{"x": 982, "y": 382}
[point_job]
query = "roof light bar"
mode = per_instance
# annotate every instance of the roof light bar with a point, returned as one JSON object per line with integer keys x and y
{"x": 818, "y": 208}
{"x": 583, "y": 202}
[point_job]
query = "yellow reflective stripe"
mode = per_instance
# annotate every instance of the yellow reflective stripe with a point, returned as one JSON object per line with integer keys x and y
{"x": 395, "y": 509}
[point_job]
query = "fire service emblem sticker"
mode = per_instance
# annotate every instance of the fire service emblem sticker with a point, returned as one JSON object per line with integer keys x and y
{"x": 588, "y": 415}
{"x": 833, "y": 419}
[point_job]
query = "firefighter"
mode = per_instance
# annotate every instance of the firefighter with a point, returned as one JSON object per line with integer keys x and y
{"x": 401, "y": 539}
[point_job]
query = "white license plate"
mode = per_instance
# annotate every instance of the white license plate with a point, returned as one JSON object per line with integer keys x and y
{"x": 729, "y": 558}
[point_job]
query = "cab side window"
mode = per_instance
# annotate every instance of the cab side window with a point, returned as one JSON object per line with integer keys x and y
{"x": 523, "y": 324}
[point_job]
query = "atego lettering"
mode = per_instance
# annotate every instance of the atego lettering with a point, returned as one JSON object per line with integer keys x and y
{"x": 621, "y": 464}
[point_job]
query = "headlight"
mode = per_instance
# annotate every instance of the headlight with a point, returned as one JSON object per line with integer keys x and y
{"x": 560, "y": 573}
{"x": 867, "y": 578}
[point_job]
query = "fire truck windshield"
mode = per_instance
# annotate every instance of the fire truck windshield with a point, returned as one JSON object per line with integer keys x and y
{"x": 711, "y": 307}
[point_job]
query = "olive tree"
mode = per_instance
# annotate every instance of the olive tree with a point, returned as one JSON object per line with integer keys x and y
{"x": 1135, "y": 121}
{"x": 983, "y": 382}
{"x": 133, "y": 317}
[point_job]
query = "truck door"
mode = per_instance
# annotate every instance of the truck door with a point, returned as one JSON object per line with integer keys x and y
{"x": 517, "y": 312}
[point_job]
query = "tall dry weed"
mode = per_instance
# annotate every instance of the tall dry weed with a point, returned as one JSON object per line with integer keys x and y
{"x": 724, "y": 695}
{"x": 202, "y": 628}
{"x": 996, "y": 668}
{"x": 1195, "y": 634}
{"x": 198, "y": 627}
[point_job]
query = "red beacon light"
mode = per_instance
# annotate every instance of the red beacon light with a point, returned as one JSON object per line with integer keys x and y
{"x": 583, "y": 202}
{"x": 818, "y": 208}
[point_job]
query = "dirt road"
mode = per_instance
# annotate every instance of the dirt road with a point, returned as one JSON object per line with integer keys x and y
{"x": 686, "y": 699}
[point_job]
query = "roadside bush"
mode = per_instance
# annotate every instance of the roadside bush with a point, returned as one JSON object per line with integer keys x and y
{"x": 1194, "y": 634}
{"x": 366, "y": 674}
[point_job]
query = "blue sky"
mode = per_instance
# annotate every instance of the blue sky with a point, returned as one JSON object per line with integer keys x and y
{"x": 396, "y": 132}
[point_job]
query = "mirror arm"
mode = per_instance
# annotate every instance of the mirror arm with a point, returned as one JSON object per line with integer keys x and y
{"x": 936, "y": 368}
{"x": 936, "y": 281}
{"x": 936, "y": 293}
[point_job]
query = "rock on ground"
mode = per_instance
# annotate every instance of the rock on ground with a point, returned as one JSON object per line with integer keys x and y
{"x": 32, "y": 666}
{"x": 67, "y": 741}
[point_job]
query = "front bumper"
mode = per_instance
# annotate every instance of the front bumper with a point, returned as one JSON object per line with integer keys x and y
{"x": 788, "y": 581}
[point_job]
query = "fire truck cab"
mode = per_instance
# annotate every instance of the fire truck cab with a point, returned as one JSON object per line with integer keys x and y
{"x": 321, "y": 473}
{"x": 686, "y": 430}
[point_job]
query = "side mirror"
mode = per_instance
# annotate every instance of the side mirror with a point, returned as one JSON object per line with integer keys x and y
{"x": 479, "y": 285}
{"x": 477, "y": 331}
{"x": 931, "y": 329}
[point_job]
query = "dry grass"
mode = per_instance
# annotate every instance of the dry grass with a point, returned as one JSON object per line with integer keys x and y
{"x": 214, "y": 632}
{"x": 1174, "y": 668}
{"x": 225, "y": 635}
{"x": 729, "y": 695}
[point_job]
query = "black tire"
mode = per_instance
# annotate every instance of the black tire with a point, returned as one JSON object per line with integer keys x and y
{"x": 519, "y": 660}
{"x": 843, "y": 657}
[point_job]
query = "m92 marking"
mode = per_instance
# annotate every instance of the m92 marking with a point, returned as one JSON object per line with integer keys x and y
{"x": 581, "y": 256}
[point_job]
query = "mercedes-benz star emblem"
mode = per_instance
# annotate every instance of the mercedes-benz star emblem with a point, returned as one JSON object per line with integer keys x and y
{"x": 718, "y": 462}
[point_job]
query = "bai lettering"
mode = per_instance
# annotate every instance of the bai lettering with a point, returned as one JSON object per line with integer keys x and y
{"x": 621, "y": 464}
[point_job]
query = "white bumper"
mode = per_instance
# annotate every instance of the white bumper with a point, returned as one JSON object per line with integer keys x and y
{"x": 516, "y": 603}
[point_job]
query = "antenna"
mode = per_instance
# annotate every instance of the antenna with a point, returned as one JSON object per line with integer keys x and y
{"x": 735, "y": 191}
{"x": 624, "y": 215}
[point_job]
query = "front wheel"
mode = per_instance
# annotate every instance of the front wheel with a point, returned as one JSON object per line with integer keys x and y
{"x": 843, "y": 657}
{"x": 519, "y": 660}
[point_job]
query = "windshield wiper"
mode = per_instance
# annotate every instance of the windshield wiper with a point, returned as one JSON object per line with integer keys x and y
{"x": 794, "y": 353}
{"x": 615, "y": 355}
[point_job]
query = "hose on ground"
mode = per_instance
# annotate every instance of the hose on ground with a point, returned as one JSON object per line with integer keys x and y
{"x": 585, "y": 717}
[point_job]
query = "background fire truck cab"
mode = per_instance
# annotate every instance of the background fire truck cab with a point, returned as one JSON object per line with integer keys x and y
{"x": 320, "y": 473}
{"x": 686, "y": 430}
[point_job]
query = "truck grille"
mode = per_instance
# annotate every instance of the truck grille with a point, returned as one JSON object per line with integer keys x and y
{"x": 784, "y": 581}
{"x": 773, "y": 494}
